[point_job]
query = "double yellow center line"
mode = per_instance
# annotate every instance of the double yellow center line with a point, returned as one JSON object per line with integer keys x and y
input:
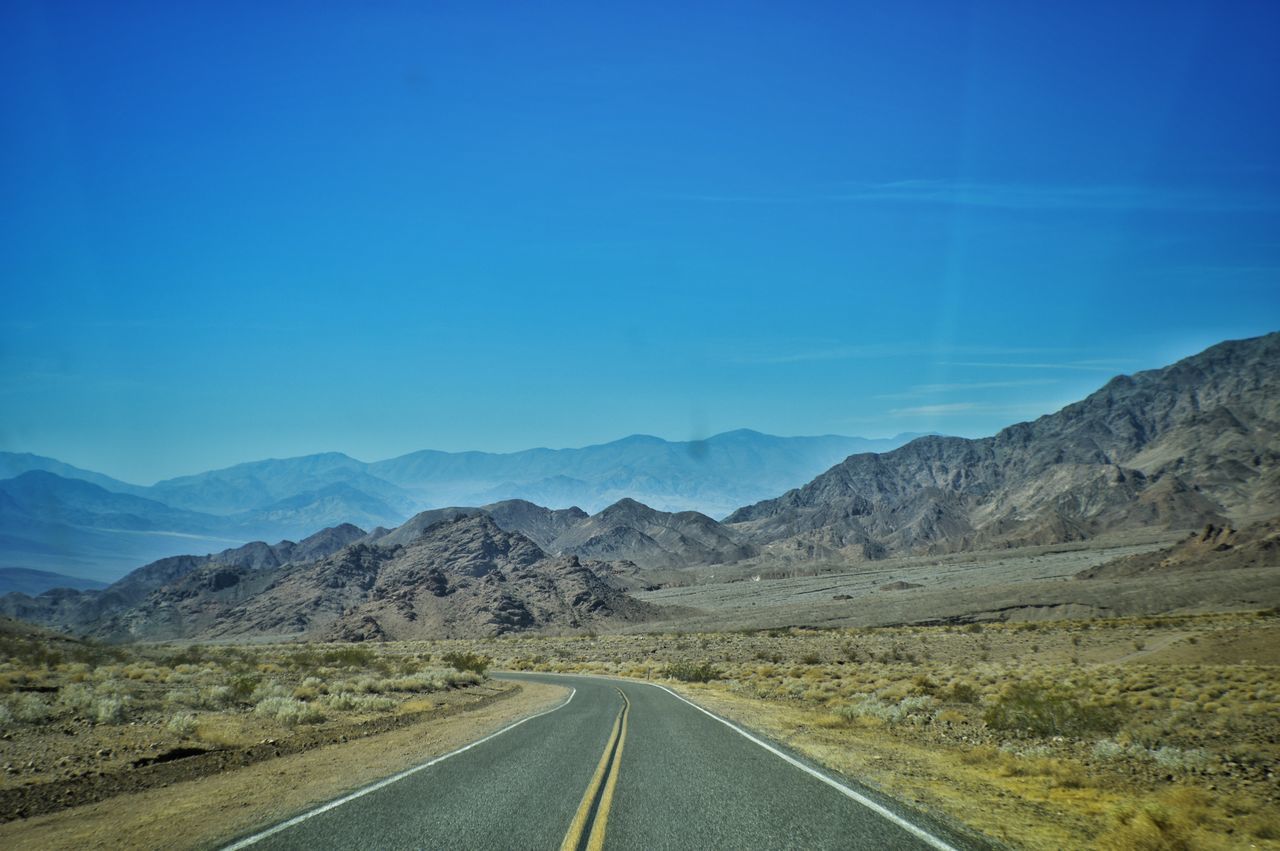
{"x": 610, "y": 760}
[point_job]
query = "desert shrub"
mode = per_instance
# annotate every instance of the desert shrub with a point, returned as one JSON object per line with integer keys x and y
{"x": 416, "y": 682}
{"x": 1038, "y": 711}
{"x": 348, "y": 657}
{"x": 182, "y": 697}
{"x": 457, "y": 679}
{"x": 29, "y": 708}
{"x": 959, "y": 692}
{"x": 288, "y": 711}
{"x": 1181, "y": 760}
{"x": 216, "y": 697}
{"x": 76, "y": 698}
{"x": 467, "y": 661}
{"x": 1109, "y": 749}
{"x": 691, "y": 672}
{"x": 888, "y": 711}
{"x": 1164, "y": 823}
{"x": 184, "y": 724}
{"x": 109, "y": 709}
{"x": 269, "y": 689}
{"x": 192, "y": 655}
{"x": 347, "y": 702}
{"x": 243, "y": 686}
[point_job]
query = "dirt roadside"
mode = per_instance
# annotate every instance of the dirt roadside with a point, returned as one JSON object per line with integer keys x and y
{"x": 211, "y": 810}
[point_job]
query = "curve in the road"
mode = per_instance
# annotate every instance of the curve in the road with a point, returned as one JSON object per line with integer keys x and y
{"x": 692, "y": 780}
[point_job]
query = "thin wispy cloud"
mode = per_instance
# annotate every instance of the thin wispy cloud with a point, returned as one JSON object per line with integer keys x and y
{"x": 1023, "y": 409}
{"x": 1026, "y": 196}
{"x": 919, "y": 390}
{"x": 821, "y": 351}
{"x": 1086, "y": 366}
{"x": 1009, "y": 196}
{"x": 935, "y": 410}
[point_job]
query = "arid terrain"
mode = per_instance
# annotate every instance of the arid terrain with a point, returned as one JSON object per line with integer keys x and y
{"x": 82, "y": 722}
{"x": 1133, "y": 733}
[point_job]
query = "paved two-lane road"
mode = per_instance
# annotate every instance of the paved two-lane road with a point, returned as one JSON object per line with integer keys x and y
{"x": 623, "y": 765}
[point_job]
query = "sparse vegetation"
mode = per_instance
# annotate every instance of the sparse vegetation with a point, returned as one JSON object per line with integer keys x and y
{"x": 467, "y": 661}
{"x": 70, "y": 711}
{"x": 691, "y": 672}
{"x": 1079, "y": 742}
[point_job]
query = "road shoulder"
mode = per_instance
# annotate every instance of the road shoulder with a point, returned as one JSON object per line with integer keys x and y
{"x": 209, "y": 811}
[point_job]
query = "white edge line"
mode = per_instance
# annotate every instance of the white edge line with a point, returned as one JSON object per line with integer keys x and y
{"x": 324, "y": 808}
{"x": 918, "y": 832}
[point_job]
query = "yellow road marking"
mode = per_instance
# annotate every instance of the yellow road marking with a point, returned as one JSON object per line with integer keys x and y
{"x": 573, "y": 838}
{"x": 596, "y": 841}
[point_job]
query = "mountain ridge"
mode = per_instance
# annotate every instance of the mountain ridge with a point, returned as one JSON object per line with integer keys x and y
{"x": 290, "y": 498}
{"x": 1135, "y": 452}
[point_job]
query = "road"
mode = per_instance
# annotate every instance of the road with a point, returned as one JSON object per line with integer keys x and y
{"x": 620, "y": 765}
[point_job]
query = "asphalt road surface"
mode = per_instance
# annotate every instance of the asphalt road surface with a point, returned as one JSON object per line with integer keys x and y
{"x": 620, "y": 765}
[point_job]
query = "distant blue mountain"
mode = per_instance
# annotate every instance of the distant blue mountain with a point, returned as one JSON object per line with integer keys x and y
{"x": 33, "y": 582}
{"x": 57, "y": 517}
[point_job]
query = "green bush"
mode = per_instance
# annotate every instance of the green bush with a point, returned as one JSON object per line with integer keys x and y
{"x": 348, "y": 657}
{"x": 243, "y": 687}
{"x": 467, "y": 661}
{"x": 691, "y": 672}
{"x": 289, "y": 711}
{"x": 1038, "y": 711}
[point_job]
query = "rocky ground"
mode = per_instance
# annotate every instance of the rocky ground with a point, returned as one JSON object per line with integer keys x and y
{"x": 81, "y": 723}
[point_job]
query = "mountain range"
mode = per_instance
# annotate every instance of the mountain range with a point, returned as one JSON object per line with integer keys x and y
{"x": 60, "y": 518}
{"x": 1194, "y": 445}
{"x": 1176, "y": 448}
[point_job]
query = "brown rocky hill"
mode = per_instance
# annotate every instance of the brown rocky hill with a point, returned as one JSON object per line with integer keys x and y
{"x": 1192, "y": 443}
{"x": 64, "y": 608}
{"x": 1213, "y": 548}
{"x": 625, "y": 531}
{"x": 462, "y": 577}
{"x": 635, "y": 532}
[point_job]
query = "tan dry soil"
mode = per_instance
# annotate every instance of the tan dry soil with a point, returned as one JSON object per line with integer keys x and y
{"x": 210, "y": 811}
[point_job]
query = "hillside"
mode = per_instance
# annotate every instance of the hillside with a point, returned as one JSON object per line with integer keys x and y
{"x": 631, "y": 531}
{"x": 1212, "y": 549}
{"x": 81, "y": 610}
{"x": 1178, "y": 447}
{"x": 461, "y": 577}
{"x": 626, "y": 531}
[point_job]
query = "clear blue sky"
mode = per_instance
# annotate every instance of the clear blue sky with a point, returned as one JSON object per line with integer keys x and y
{"x": 238, "y": 230}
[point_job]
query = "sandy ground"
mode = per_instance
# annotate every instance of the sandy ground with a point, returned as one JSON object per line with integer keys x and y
{"x": 210, "y": 811}
{"x": 1027, "y": 585}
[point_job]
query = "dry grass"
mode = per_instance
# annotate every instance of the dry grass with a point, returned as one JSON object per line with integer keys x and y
{"x": 71, "y": 712}
{"x": 1150, "y": 732}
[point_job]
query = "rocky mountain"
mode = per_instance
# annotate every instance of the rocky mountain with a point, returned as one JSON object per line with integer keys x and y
{"x": 459, "y": 577}
{"x": 1178, "y": 447}
{"x": 72, "y": 525}
{"x": 1213, "y": 548}
{"x": 78, "y": 610}
{"x": 74, "y": 530}
{"x": 24, "y": 581}
{"x": 263, "y": 485}
{"x": 14, "y": 464}
{"x": 713, "y": 476}
{"x": 631, "y": 531}
{"x": 625, "y": 531}
{"x": 543, "y": 526}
